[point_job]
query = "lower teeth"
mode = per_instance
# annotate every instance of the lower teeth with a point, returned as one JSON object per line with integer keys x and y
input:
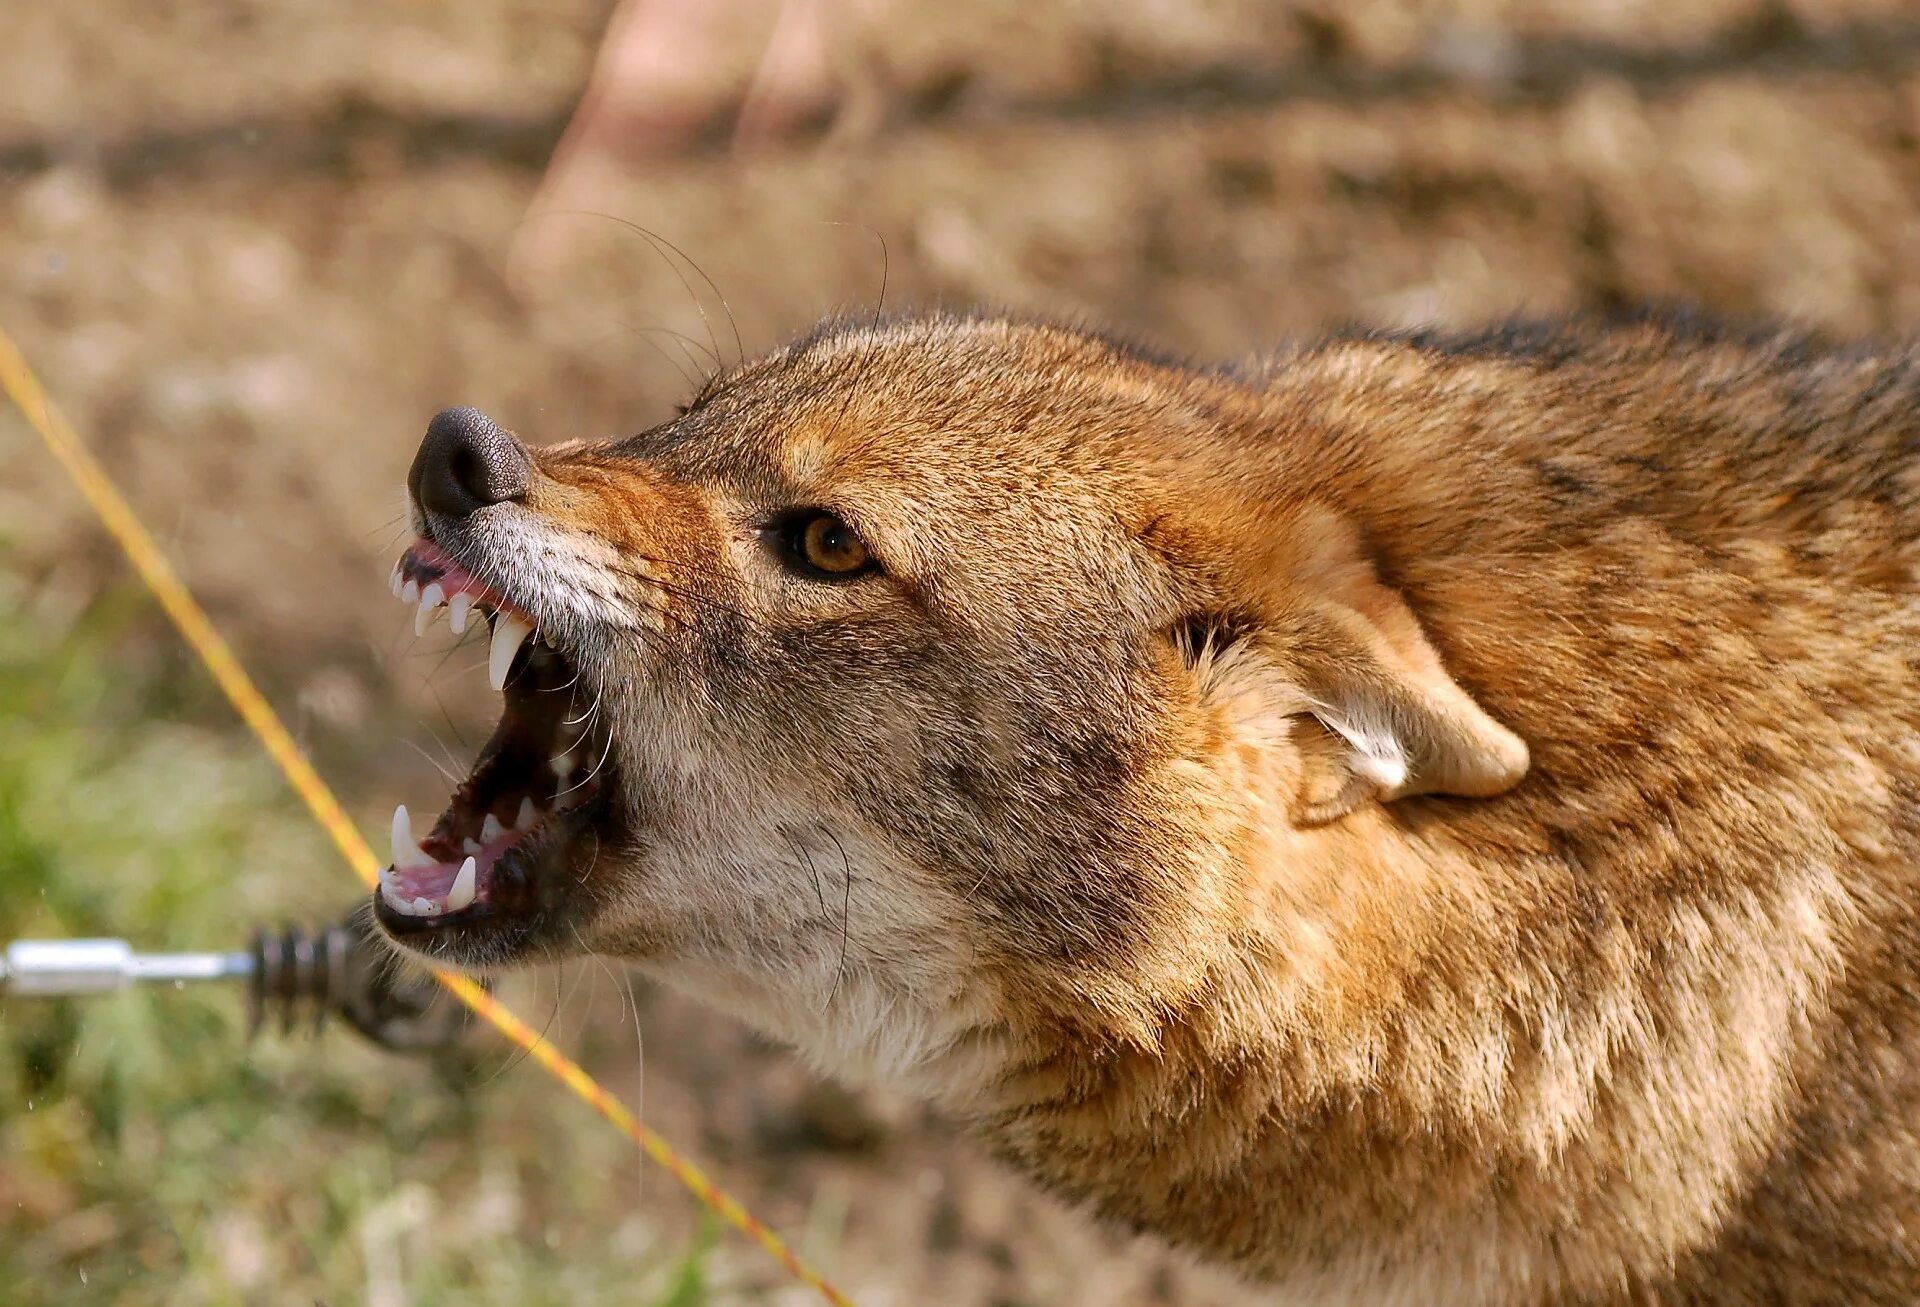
{"x": 409, "y": 856}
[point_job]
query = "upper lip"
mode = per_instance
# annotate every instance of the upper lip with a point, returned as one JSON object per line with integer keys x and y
{"x": 429, "y": 575}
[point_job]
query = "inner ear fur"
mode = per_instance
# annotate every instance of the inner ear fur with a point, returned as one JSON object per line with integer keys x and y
{"x": 1395, "y": 723}
{"x": 1384, "y": 718}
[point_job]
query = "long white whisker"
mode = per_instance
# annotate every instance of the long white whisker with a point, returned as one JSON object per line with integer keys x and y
{"x": 590, "y": 715}
{"x": 630, "y": 1008}
{"x": 452, "y": 778}
{"x": 605, "y": 753}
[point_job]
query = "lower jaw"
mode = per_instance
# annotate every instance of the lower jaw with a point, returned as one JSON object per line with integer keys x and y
{"x": 531, "y": 904}
{"x": 480, "y": 939}
{"x": 483, "y": 942}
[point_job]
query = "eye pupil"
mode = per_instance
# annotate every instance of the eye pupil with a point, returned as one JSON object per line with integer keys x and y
{"x": 829, "y": 545}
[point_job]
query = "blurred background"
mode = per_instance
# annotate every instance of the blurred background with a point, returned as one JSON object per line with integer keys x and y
{"x": 252, "y": 245}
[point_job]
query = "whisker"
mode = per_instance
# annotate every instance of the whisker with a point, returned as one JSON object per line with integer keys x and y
{"x": 687, "y": 345}
{"x": 590, "y": 714}
{"x": 707, "y": 373}
{"x": 657, "y": 242}
{"x": 629, "y": 1010}
{"x": 819, "y": 891}
{"x": 452, "y": 779}
{"x": 690, "y": 379}
{"x": 846, "y": 913}
{"x": 520, "y": 1053}
{"x": 573, "y": 987}
{"x": 678, "y": 566}
{"x": 739, "y": 348}
{"x": 452, "y": 761}
{"x": 565, "y": 685}
{"x": 605, "y": 752}
{"x": 681, "y": 592}
{"x": 639, "y": 1075}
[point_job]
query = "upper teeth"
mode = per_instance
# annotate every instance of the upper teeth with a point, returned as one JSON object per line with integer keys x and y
{"x": 430, "y": 600}
{"x": 509, "y": 632}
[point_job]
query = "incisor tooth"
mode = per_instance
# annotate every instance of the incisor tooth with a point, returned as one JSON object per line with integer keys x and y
{"x": 425, "y": 908}
{"x": 405, "y": 852}
{"x": 462, "y": 892}
{"x": 457, "y": 612}
{"x": 524, "y": 819}
{"x": 396, "y": 581}
{"x": 429, "y": 605}
{"x": 509, "y": 632}
{"x": 410, "y": 591}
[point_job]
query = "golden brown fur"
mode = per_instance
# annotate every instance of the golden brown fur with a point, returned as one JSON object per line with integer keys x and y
{"x": 1423, "y": 821}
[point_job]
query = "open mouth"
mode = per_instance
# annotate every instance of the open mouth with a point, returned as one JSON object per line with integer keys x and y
{"x": 498, "y": 853}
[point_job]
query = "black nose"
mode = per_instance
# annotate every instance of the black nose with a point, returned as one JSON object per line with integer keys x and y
{"x": 467, "y": 462}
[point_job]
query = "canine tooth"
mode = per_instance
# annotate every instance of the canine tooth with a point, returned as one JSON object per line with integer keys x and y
{"x": 457, "y": 608}
{"x": 410, "y": 591}
{"x": 425, "y": 908}
{"x": 462, "y": 892}
{"x": 524, "y": 819}
{"x": 430, "y": 600}
{"x": 396, "y": 581}
{"x": 508, "y": 634}
{"x": 490, "y": 829}
{"x": 405, "y": 852}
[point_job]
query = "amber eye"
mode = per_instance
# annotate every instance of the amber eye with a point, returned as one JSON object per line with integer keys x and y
{"x": 825, "y": 544}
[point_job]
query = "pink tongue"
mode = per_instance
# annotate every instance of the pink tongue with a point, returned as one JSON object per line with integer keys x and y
{"x": 432, "y": 881}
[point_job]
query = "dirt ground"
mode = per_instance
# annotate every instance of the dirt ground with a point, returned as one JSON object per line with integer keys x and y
{"x": 253, "y": 246}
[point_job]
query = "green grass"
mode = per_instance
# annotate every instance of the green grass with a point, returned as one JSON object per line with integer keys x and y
{"x": 149, "y": 1154}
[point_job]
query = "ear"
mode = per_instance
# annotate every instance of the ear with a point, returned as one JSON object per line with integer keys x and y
{"x": 1383, "y": 719}
{"x": 1394, "y": 722}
